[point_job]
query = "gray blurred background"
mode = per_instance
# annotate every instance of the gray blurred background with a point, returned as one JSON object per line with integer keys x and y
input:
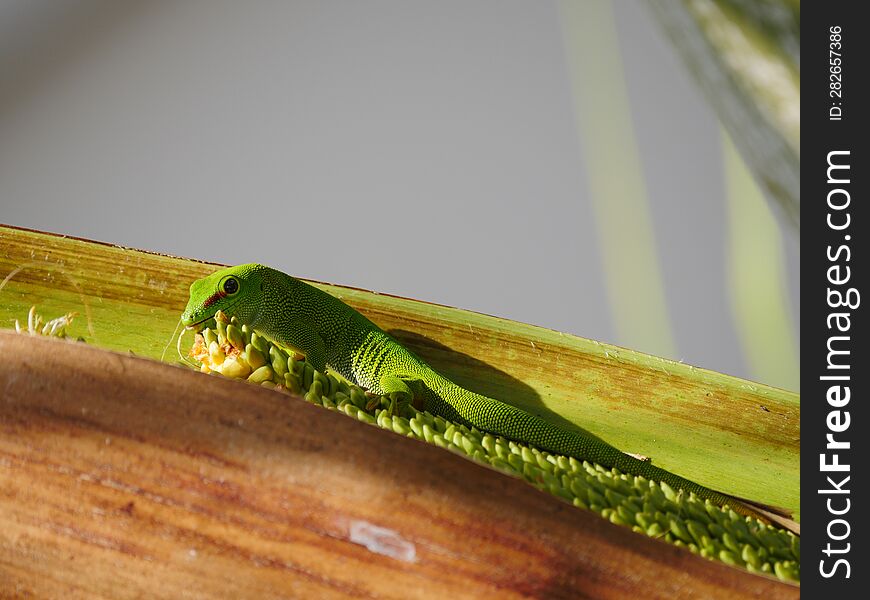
{"x": 445, "y": 151}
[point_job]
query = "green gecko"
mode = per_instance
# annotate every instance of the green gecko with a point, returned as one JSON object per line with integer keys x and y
{"x": 332, "y": 335}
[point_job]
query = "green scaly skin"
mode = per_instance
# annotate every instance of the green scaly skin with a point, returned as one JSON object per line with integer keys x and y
{"x": 334, "y": 336}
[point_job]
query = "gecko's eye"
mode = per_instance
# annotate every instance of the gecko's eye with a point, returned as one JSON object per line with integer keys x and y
{"x": 230, "y": 286}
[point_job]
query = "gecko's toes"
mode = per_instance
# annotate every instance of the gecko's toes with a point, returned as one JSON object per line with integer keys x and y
{"x": 640, "y": 457}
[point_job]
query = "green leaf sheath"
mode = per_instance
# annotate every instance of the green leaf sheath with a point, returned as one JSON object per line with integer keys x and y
{"x": 333, "y": 335}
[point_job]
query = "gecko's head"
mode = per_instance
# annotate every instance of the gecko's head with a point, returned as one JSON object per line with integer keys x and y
{"x": 237, "y": 291}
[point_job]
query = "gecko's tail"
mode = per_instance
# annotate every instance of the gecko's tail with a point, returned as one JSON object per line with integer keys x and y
{"x": 775, "y": 514}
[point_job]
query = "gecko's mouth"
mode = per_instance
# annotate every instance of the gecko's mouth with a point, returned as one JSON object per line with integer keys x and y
{"x": 198, "y": 326}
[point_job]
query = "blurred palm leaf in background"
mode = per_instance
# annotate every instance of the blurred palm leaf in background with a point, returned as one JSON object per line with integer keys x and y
{"x": 756, "y": 274}
{"x": 633, "y": 277}
{"x": 746, "y": 58}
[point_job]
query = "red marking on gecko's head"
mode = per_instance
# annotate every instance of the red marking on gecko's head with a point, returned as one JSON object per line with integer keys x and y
{"x": 213, "y": 298}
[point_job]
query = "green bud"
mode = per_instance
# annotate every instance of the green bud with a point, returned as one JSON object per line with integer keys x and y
{"x": 786, "y": 570}
{"x": 616, "y": 519}
{"x": 334, "y": 384}
{"x": 696, "y": 530}
{"x": 579, "y": 503}
{"x": 633, "y": 504}
{"x": 741, "y": 531}
{"x": 307, "y": 375}
{"x": 668, "y": 491}
{"x": 595, "y": 497}
{"x": 500, "y": 464}
{"x": 295, "y": 366}
{"x": 544, "y": 463}
{"x": 324, "y": 382}
{"x": 221, "y": 327}
{"x": 715, "y": 529}
{"x": 579, "y": 490}
{"x": 696, "y": 511}
{"x": 532, "y": 472}
{"x": 625, "y": 514}
{"x": 358, "y": 397}
{"x": 292, "y": 383}
{"x": 278, "y": 360}
{"x": 730, "y": 542}
{"x": 261, "y": 374}
{"x": 235, "y": 337}
{"x": 515, "y": 461}
{"x": 260, "y": 343}
{"x": 548, "y": 478}
{"x": 750, "y": 556}
{"x": 254, "y": 357}
{"x": 679, "y": 530}
{"x": 644, "y": 519}
{"x": 400, "y": 425}
{"x": 235, "y": 368}
{"x": 528, "y": 456}
{"x": 614, "y": 498}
